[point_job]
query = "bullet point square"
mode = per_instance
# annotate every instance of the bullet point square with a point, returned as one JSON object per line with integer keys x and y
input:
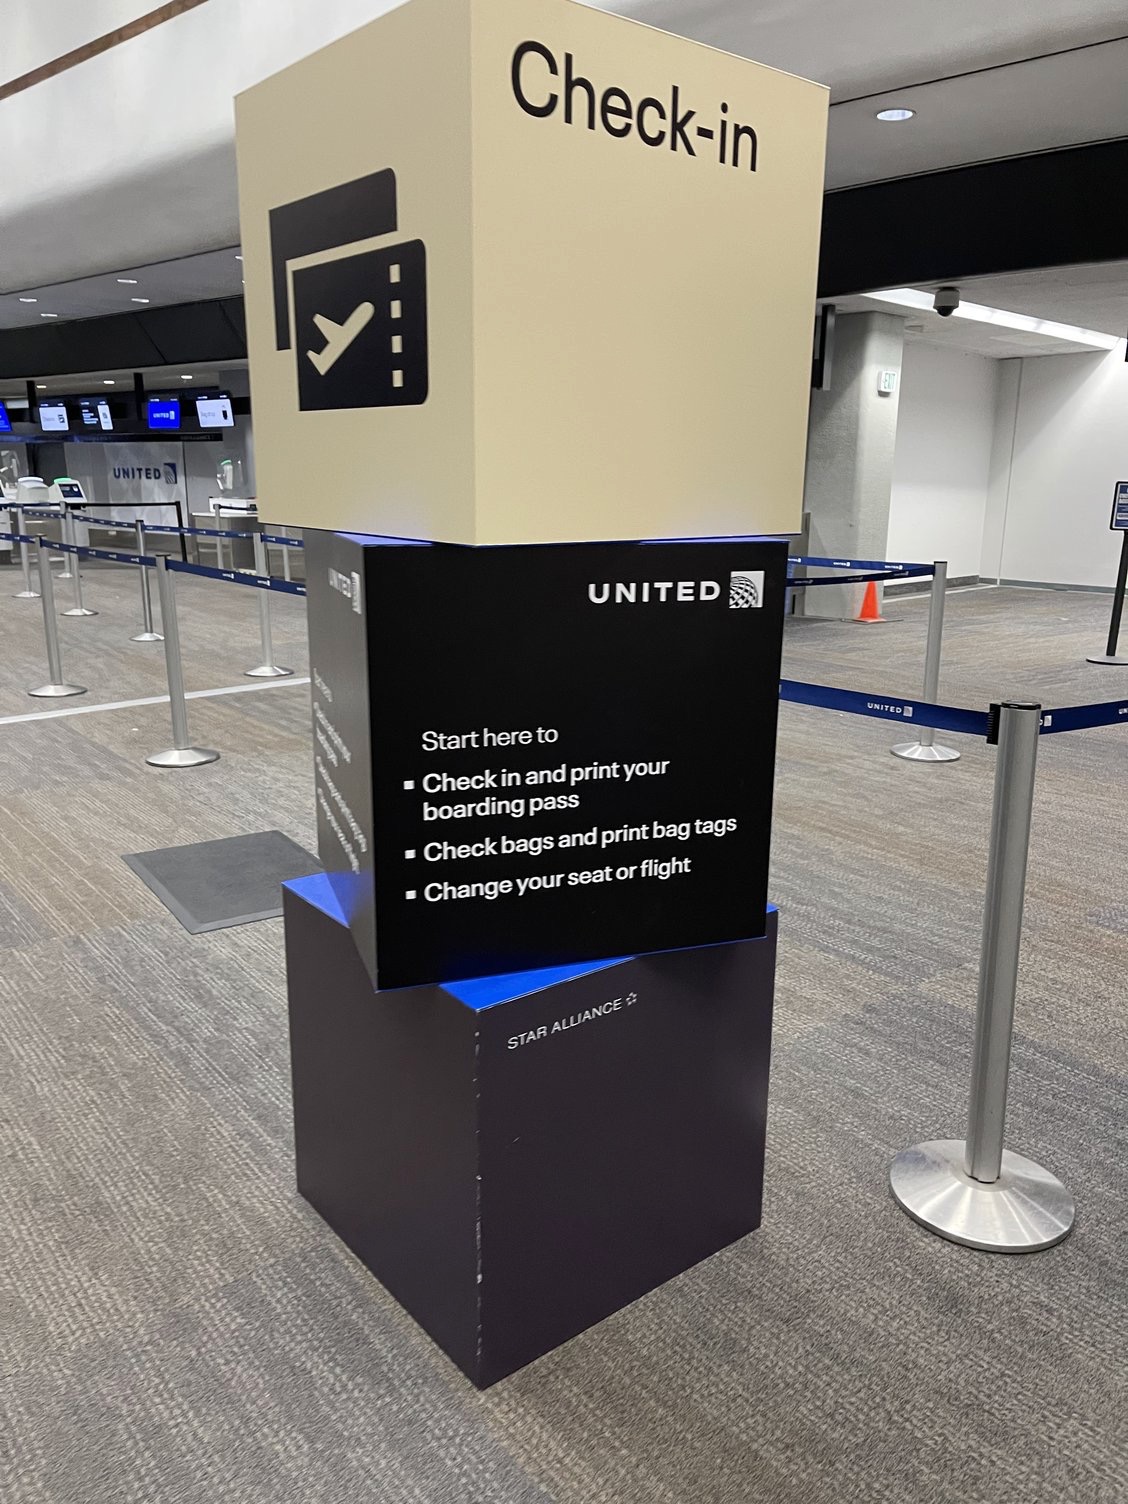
{"x": 410, "y": 855}
{"x": 409, "y": 783}
{"x": 410, "y": 893}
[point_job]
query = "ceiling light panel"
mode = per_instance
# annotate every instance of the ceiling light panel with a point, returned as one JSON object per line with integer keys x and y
{"x": 980, "y": 313}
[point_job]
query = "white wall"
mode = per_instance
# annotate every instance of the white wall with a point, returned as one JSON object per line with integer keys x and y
{"x": 942, "y": 459}
{"x": 1064, "y": 421}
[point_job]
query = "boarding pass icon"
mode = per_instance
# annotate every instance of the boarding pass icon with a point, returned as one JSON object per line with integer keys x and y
{"x": 350, "y": 303}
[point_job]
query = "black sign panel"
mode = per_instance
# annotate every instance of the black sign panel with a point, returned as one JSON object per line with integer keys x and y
{"x": 572, "y": 747}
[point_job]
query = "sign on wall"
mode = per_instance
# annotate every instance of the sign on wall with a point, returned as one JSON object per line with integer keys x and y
{"x": 145, "y": 473}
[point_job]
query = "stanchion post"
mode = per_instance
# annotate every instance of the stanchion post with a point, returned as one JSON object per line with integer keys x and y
{"x": 267, "y": 669}
{"x": 71, "y": 532}
{"x": 27, "y": 593}
{"x": 182, "y": 754}
{"x": 68, "y": 561}
{"x": 1110, "y": 654}
{"x": 974, "y": 1191}
{"x": 56, "y": 687}
{"x": 146, "y": 633}
{"x": 924, "y": 749}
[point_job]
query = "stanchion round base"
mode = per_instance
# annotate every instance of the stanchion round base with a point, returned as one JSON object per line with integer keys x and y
{"x": 1106, "y": 658}
{"x": 57, "y": 691}
{"x": 1025, "y": 1210}
{"x": 268, "y": 671}
{"x": 147, "y": 637}
{"x": 918, "y": 752}
{"x": 79, "y": 611}
{"x": 26, "y": 595}
{"x": 183, "y": 757}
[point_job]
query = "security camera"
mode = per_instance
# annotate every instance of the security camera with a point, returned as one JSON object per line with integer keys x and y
{"x": 946, "y": 301}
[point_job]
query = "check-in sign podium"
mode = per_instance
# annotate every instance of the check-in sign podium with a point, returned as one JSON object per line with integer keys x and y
{"x": 528, "y": 284}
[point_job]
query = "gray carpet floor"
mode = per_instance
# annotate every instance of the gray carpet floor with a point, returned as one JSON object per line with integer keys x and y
{"x": 178, "y": 1327}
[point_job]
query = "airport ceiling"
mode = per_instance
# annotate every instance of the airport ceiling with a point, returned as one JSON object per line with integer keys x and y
{"x": 228, "y": 375}
{"x": 985, "y": 80}
{"x": 1094, "y": 296}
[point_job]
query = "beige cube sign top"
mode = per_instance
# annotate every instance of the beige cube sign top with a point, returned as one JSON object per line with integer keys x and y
{"x": 520, "y": 271}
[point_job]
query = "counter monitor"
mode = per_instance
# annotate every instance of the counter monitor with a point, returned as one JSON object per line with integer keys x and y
{"x": 214, "y": 412}
{"x": 53, "y": 417}
{"x": 163, "y": 413}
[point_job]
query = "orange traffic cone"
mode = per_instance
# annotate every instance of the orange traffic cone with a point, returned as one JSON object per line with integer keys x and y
{"x": 870, "y": 611}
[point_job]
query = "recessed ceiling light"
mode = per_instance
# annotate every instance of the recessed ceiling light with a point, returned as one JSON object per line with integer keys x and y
{"x": 895, "y": 114}
{"x": 40, "y": 386}
{"x": 186, "y": 378}
{"x": 48, "y": 315}
{"x": 128, "y": 281}
{"x": 29, "y": 300}
{"x": 108, "y": 382}
{"x": 138, "y": 300}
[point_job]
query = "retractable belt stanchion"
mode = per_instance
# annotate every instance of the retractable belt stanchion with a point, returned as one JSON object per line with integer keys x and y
{"x": 1110, "y": 654}
{"x": 27, "y": 593}
{"x": 57, "y": 687}
{"x": 68, "y": 561}
{"x": 181, "y": 754}
{"x": 267, "y": 669}
{"x": 974, "y": 1191}
{"x": 146, "y": 633}
{"x": 924, "y": 749}
{"x": 70, "y": 534}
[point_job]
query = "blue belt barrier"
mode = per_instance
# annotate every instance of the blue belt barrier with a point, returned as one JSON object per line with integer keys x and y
{"x": 1079, "y": 717}
{"x": 94, "y": 553}
{"x": 236, "y": 577}
{"x": 196, "y": 532}
{"x": 854, "y": 579}
{"x": 108, "y": 523}
{"x": 18, "y": 537}
{"x": 285, "y": 542}
{"x": 854, "y": 702}
{"x": 191, "y": 532}
{"x": 860, "y": 564}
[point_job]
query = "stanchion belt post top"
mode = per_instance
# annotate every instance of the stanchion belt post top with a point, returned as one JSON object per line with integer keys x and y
{"x": 995, "y": 716}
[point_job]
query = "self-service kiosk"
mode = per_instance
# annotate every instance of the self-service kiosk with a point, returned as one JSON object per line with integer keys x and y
{"x": 67, "y": 494}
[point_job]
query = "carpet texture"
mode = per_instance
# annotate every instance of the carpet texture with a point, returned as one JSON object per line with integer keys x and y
{"x": 178, "y": 1327}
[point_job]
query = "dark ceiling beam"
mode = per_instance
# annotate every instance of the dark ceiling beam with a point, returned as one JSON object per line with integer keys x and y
{"x": 182, "y": 333}
{"x": 1054, "y": 208}
{"x": 104, "y": 43}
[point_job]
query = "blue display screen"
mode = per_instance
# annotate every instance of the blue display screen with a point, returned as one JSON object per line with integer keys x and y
{"x": 163, "y": 412}
{"x": 5, "y": 421}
